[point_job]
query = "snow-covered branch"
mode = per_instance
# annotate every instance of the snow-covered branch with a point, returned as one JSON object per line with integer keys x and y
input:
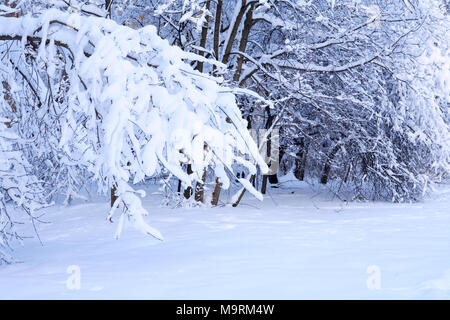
{"x": 133, "y": 105}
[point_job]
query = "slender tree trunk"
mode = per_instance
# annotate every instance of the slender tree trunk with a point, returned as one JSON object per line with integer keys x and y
{"x": 108, "y": 4}
{"x": 200, "y": 189}
{"x": 348, "y": 173}
{"x": 234, "y": 31}
{"x": 217, "y": 23}
{"x": 200, "y": 185}
{"x": 188, "y": 190}
{"x": 113, "y": 195}
{"x": 264, "y": 184}
{"x": 244, "y": 40}
{"x": 252, "y": 179}
{"x": 300, "y": 162}
{"x": 327, "y": 167}
{"x": 273, "y": 178}
{"x": 204, "y": 36}
{"x": 216, "y": 193}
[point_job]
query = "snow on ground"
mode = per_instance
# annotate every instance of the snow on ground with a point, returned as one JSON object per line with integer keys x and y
{"x": 299, "y": 245}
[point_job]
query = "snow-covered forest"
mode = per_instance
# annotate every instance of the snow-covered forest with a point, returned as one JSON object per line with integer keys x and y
{"x": 213, "y": 105}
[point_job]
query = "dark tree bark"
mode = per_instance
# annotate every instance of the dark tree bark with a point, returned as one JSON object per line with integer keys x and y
{"x": 113, "y": 196}
{"x": 108, "y": 4}
{"x": 204, "y": 37}
{"x": 252, "y": 180}
{"x": 244, "y": 40}
{"x": 234, "y": 31}
{"x": 273, "y": 179}
{"x": 188, "y": 190}
{"x": 300, "y": 162}
{"x": 200, "y": 188}
{"x": 264, "y": 185}
{"x": 217, "y": 24}
{"x": 327, "y": 167}
{"x": 216, "y": 193}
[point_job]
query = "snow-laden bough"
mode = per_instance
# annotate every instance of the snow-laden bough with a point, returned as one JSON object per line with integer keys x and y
{"x": 134, "y": 106}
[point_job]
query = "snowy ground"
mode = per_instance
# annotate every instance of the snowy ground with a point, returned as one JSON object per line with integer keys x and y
{"x": 291, "y": 246}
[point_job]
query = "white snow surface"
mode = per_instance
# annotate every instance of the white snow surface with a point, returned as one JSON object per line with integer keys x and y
{"x": 298, "y": 243}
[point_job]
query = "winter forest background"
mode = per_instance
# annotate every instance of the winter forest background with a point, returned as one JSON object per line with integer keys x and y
{"x": 201, "y": 98}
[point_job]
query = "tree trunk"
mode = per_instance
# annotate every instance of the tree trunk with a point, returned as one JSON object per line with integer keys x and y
{"x": 264, "y": 184}
{"x": 188, "y": 190}
{"x": 244, "y": 39}
{"x": 113, "y": 195}
{"x": 217, "y": 24}
{"x": 273, "y": 178}
{"x": 252, "y": 179}
{"x": 216, "y": 193}
{"x": 108, "y": 4}
{"x": 203, "y": 38}
{"x": 327, "y": 168}
{"x": 200, "y": 188}
{"x": 300, "y": 162}
{"x": 234, "y": 31}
